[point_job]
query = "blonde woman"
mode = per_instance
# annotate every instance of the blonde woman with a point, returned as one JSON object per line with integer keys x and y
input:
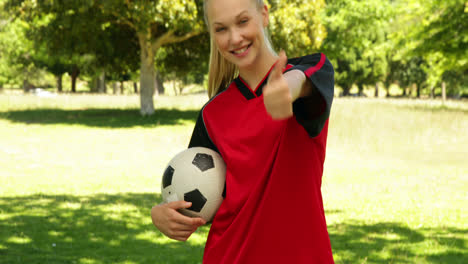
{"x": 268, "y": 118}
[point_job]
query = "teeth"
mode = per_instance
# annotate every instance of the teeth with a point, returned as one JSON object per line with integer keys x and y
{"x": 241, "y": 50}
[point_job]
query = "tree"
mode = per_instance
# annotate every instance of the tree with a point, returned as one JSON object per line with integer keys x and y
{"x": 296, "y": 26}
{"x": 357, "y": 40}
{"x": 116, "y": 56}
{"x": 16, "y": 52}
{"x": 446, "y": 31}
{"x": 445, "y": 40}
{"x": 61, "y": 35}
{"x": 436, "y": 31}
{"x": 156, "y": 24}
{"x": 407, "y": 72}
{"x": 186, "y": 61}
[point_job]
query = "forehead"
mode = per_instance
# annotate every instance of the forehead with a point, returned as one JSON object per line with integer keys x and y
{"x": 225, "y": 10}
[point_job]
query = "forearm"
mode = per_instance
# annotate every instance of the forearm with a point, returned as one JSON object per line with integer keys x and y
{"x": 299, "y": 85}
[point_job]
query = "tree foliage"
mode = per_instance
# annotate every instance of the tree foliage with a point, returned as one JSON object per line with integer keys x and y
{"x": 437, "y": 32}
{"x": 357, "y": 40}
{"x": 296, "y": 26}
{"x": 409, "y": 42}
{"x": 16, "y": 52}
{"x": 445, "y": 31}
{"x": 187, "y": 60}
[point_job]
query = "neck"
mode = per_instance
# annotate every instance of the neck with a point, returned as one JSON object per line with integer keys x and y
{"x": 254, "y": 73}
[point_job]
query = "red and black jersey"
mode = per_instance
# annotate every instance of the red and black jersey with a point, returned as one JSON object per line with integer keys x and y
{"x": 273, "y": 210}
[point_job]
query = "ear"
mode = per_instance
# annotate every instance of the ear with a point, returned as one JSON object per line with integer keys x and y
{"x": 265, "y": 15}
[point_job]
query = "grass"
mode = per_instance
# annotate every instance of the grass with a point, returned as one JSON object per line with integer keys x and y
{"x": 79, "y": 175}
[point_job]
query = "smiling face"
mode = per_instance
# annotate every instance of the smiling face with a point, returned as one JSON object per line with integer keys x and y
{"x": 237, "y": 27}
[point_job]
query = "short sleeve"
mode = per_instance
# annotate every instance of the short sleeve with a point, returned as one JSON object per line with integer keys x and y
{"x": 313, "y": 111}
{"x": 200, "y": 137}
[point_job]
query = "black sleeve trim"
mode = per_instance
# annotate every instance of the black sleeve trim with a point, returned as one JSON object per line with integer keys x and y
{"x": 200, "y": 137}
{"x": 313, "y": 111}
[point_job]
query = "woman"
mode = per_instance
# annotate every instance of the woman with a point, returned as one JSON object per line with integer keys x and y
{"x": 268, "y": 118}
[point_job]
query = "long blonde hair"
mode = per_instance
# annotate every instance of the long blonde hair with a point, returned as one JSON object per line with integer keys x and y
{"x": 222, "y": 72}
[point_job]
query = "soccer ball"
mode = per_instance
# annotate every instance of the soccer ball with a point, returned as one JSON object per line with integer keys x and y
{"x": 196, "y": 175}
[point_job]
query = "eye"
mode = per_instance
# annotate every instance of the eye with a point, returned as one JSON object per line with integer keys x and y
{"x": 220, "y": 29}
{"x": 243, "y": 21}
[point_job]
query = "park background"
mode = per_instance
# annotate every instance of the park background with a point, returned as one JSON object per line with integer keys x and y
{"x": 97, "y": 96}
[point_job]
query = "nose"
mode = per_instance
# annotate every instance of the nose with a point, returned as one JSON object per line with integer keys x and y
{"x": 236, "y": 36}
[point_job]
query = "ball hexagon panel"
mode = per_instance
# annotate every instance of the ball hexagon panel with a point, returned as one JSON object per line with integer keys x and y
{"x": 197, "y": 199}
{"x": 203, "y": 161}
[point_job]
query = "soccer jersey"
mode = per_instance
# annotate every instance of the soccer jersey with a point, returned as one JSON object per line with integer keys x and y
{"x": 273, "y": 210}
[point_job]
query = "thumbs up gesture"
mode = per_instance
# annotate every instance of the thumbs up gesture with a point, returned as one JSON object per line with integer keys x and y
{"x": 276, "y": 93}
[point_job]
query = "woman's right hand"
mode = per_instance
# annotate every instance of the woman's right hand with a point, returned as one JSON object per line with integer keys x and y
{"x": 174, "y": 224}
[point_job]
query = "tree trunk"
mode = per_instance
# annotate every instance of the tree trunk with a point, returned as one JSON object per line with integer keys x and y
{"x": 361, "y": 89}
{"x": 159, "y": 84}
{"x": 346, "y": 90}
{"x": 73, "y": 85}
{"x": 122, "y": 87}
{"x": 147, "y": 75}
{"x": 135, "y": 87}
{"x": 418, "y": 91}
{"x": 115, "y": 87}
{"x": 413, "y": 88}
{"x": 432, "y": 92}
{"x": 148, "y": 49}
{"x": 102, "y": 88}
{"x": 94, "y": 84}
{"x": 444, "y": 92}
{"x": 74, "y": 76}
{"x": 174, "y": 87}
{"x": 59, "y": 83}
{"x": 27, "y": 87}
{"x": 376, "y": 92}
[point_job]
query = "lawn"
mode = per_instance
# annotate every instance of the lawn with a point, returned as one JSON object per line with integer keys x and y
{"x": 79, "y": 175}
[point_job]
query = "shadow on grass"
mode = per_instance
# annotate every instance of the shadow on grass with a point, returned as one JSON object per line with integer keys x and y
{"x": 88, "y": 229}
{"x": 116, "y": 228}
{"x": 396, "y": 243}
{"x": 108, "y": 118}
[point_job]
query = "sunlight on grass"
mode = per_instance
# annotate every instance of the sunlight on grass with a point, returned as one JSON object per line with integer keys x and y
{"x": 147, "y": 235}
{"x": 19, "y": 240}
{"x": 70, "y": 205}
{"x": 88, "y": 261}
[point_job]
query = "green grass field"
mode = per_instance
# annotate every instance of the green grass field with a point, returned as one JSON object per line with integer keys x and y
{"x": 79, "y": 175}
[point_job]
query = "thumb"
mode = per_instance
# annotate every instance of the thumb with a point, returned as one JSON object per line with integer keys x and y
{"x": 279, "y": 65}
{"x": 179, "y": 205}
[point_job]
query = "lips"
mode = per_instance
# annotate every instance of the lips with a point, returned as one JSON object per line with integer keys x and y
{"x": 241, "y": 51}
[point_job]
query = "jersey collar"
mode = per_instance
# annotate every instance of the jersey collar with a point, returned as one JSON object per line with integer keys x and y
{"x": 248, "y": 92}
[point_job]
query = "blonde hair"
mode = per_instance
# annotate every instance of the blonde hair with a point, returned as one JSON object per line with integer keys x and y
{"x": 222, "y": 72}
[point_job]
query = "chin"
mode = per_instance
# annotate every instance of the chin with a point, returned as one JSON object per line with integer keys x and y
{"x": 243, "y": 62}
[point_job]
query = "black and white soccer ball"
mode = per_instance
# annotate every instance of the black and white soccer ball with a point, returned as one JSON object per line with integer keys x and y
{"x": 196, "y": 175}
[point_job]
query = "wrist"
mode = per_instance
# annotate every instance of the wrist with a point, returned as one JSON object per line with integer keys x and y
{"x": 296, "y": 80}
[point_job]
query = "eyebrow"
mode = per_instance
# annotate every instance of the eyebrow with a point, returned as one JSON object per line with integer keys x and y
{"x": 239, "y": 15}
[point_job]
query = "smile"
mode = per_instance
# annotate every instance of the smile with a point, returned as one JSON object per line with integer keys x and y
{"x": 241, "y": 51}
